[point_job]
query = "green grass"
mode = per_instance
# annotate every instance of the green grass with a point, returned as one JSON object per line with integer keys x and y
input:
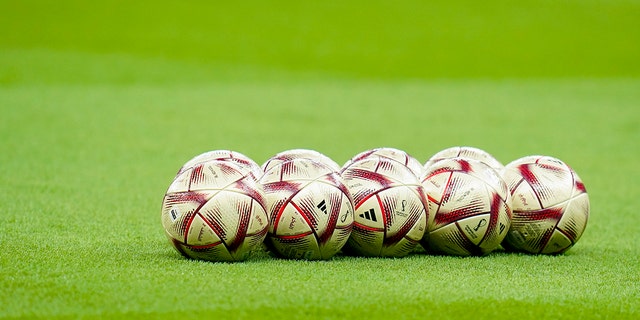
{"x": 400, "y": 39}
{"x": 99, "y": 109}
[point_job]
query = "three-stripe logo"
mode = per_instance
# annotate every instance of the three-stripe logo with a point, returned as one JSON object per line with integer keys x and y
{"x": 322, "y": 206}
{"x": 369, "y": 215}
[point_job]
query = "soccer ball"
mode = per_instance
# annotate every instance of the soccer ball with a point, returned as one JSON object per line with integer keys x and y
{"x": 550, "y": 205}
{"x": 225, "y": 155}
{"x": 391, "y": 153}
{"x": 467, "y": 153}
{"x": 310, "y": 210}
{"x": 471, "y": 207}
{"x": 297, "y": 154}
{"x": 391, "y": 207}
{"x": 215, "y": 210}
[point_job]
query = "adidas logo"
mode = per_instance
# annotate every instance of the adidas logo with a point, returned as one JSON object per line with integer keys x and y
{"x": 369, "y": 215}
{"x": 322, "y": 206}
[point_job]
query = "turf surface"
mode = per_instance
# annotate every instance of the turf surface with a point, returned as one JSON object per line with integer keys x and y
{"x": 102, "y": 104}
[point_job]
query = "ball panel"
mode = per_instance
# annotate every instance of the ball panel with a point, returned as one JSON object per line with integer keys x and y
{"x": 212, "y": 175}
{"x": 277, "y": 195}
{"x": 463, "y": 196}
{"x": 298, "y": 169}
{"x": 244, "y": 209}
{"x": 215, "y": 175}
{"x": 449, "y": 240}
{"x": 315, "y": 203}
{"x": 415, "y": 226}
{"x": 341, "y": 222}
{"x": 362, "y": 191}
{"x": 390, "y": 207}
{"x": 558, "y": 242}
{"x": 389, "y": 223}
{"x": 465, "y": 152}
{"x": 178, "y": 209}
{"x": 475, "y": 227}
{"x": 199, "y": 233}
{"x": 365, "y": 240}
{"x": 307, "y": 200}
{"x": 494, "y": 182}
{"x": 251, "y": 188}
{"x": 575, "y": 216}
{"x": 290, "y": 222}
{"x": 366, "y": 177}
{"x": 382, "y": 170}
{"x": 551, "y": 184}
{"x": 224, "y": 155}
{"x": 214, "y": 210}
{"x": 436, "y": 183}
{"x": 512, "y": 178}
{"x": 404, "y": 213}
{"x": 498, "y": 232}
{"x": 369, "y": 213}
{"x": 346, "y": 211}
{"x": 288, "y": 155}
{"x": 524, "y": 197}
{"x": 471, "y": 196}
{"x": 225, "y": 213}
{"x": 560, "y": 216}
{"x": 253, "y": 241}
{"x": 334, "y": 209}
{"x": 259, "y": 222}
{"x": 399, "y": 249}
{"x": 213, "y": 252}
{"x": 390, "y": 153}
{"x": 302, "y": 246}
{"x": 530, "y": 230}
{"x": 337, "y": 241}
{"x": 181, "y": 182}
{"x": 498, "y": 226}
{"x": 360, "y": 156}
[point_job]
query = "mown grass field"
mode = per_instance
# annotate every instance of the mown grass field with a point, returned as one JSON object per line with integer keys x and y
{"x": 102, "y": 103}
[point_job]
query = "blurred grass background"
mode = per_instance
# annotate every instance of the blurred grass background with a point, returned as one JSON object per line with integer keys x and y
{"x": 364, "y": 39}
{"x": 101, "y": 102}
